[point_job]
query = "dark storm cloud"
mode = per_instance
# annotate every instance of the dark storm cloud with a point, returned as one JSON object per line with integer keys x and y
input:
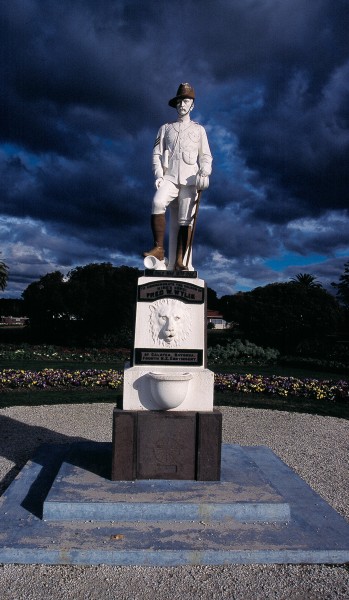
{"x": 85, "y": 86}
{"x": 235, "y": 236}
{"x": 298, "y": 138}
{"x": 309, "y": 236}
{"x": 72, "y": 70}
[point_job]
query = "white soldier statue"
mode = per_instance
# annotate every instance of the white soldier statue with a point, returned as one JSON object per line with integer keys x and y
{"x": 182, "y": 164}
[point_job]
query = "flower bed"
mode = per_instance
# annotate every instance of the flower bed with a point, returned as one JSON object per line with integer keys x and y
{"x": 277, "y": 386}
{"x": 283, "y": 387}
{"x": 60, "y": 378}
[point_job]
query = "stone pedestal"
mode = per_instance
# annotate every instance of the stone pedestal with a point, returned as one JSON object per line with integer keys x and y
{"x": 168, "y": 428}
{"x": 166, "y": 445}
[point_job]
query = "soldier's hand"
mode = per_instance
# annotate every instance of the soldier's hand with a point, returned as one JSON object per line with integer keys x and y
{"x": 204, "y": 173}
{"x": 159, "y": 182}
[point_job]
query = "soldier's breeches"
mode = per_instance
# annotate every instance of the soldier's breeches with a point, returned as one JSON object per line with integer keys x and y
{"x": 168, "y": 192}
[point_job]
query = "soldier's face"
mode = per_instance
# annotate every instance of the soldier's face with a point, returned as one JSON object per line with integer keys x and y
{"x": 184, "y": 106}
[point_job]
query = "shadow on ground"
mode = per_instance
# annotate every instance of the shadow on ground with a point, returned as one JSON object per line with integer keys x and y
{"x": 18, "y": 442}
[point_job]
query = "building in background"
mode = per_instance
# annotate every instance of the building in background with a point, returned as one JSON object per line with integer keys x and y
{"x": 215, "y": 320}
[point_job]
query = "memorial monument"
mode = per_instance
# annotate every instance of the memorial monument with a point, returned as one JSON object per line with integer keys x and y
{"x": 89, "y": 502}
{"x": 167, "y": 427}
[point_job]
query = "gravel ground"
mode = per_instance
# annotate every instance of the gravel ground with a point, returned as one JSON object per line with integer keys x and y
{"x": 315, "y": 447}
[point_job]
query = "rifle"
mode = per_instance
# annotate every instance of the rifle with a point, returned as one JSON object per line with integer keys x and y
{"x": 195, "y": 216}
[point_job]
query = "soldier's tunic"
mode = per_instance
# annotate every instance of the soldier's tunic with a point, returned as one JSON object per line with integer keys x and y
{"x": 180, "y": 151}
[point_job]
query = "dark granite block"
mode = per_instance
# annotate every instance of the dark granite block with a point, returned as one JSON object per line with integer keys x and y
{"x": 166, "y": 445}
{"x": 209, "y": 441}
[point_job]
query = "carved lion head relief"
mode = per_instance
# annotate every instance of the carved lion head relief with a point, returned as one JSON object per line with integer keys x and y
{"x": 170, "y": 322}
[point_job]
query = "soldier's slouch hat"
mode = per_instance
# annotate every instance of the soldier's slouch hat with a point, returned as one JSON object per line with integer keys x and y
{"x": 185, "y": 90}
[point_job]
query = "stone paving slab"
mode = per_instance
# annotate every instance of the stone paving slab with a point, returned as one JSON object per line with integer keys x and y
{"x": 314, "y": 532}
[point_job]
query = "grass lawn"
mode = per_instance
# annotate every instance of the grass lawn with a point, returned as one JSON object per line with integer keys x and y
{"x": 290, "y": 404}
{"x": 58, "y": 396}
{"x": 88, "y": 396}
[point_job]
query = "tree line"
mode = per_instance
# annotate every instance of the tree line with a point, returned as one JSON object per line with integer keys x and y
{"x": 95, "y": 304}
{"x": 297, "y": 316}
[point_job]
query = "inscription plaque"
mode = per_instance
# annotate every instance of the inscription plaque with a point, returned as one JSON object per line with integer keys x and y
{"x": 166, "y": 445}
{"x": 146, "y": 356}
{"x": 177, "y": 274}
{"x": 180, "y": 290}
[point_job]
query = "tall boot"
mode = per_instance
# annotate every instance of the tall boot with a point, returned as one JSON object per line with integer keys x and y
{"x": 158, "y": 227}
{"x": 183, "y": 240}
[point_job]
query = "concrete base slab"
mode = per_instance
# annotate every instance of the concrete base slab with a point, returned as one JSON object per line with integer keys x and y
{"x": 243, "y": 493}
{"x": 113, "y": 532}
